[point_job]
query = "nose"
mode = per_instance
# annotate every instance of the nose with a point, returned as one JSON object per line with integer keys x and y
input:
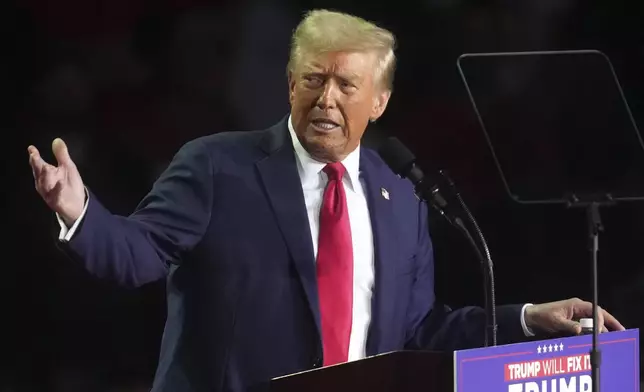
{"x": 327, "y": 100}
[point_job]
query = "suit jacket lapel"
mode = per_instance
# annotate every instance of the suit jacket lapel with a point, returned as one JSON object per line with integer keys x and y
{"x": 280, "y": 177}
{"x": 382, "y": 216}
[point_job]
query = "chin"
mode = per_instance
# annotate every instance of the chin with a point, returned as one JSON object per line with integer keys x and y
{"x": 325, "y": 151}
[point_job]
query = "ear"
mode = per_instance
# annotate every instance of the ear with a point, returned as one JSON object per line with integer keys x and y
{"x": 291, "y": 87}
{"x": 380, "y": 104}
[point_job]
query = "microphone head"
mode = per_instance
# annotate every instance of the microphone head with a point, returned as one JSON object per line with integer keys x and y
{"x": 397, "y": 156}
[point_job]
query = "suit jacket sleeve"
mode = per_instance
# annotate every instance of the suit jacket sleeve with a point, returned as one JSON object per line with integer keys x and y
{"x": 434, "y": 326}
{"x": 170, "y": 220}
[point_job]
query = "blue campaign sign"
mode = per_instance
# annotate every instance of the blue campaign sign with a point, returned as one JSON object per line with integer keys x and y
{"x": 558, "y": 365}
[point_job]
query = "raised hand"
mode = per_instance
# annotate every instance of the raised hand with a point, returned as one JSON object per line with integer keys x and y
{"x": 60, "y": 186}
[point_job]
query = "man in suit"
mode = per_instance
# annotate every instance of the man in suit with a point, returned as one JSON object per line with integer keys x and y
{"x": 288, "y": 248}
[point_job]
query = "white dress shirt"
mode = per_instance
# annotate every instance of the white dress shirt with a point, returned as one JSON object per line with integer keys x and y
{"x": 66, "y": 233}
{"x": 314, "y": 182}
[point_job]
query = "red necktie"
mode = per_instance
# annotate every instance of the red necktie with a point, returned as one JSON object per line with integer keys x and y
{"x": 335, "y": 268}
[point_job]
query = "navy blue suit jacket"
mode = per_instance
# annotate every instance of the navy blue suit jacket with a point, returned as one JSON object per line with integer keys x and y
{"x": 226, "y": 225}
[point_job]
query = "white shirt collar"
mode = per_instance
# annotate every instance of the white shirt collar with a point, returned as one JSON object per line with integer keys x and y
{"x": 309, "y": 167}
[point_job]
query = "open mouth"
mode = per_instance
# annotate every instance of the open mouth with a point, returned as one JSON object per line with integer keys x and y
{"x": 324, "y": 124}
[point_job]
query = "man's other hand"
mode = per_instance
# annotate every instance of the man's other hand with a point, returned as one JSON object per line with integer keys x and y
{"x": 563, "y": 317}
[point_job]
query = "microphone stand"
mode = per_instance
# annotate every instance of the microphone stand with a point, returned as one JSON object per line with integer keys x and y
{"x": 488, "y": 282}
{"x": 486, "y": 264}
{"x": 433, "y": 197}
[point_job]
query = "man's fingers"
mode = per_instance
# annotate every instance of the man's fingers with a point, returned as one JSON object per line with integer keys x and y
{"x": 611, "y": 322}
{"x": 601, "y": 319}
{"x": 61, "y": 153}
{"x": 605, "y": 319}
{"x": 46, "y": 176}
{"x": 571, "y": 326}
{"x": 36, "y": 161}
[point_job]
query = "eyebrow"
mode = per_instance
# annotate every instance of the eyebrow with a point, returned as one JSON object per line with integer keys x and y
{"x": 352, "y": 76}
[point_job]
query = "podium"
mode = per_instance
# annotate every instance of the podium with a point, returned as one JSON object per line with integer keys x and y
{"x": 554, "y": 365}
{"x": 399, "y": 371}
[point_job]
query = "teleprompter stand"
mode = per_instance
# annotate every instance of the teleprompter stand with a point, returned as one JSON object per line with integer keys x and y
{"x": 561, "y": 132}
{"x": 594, "y": 223}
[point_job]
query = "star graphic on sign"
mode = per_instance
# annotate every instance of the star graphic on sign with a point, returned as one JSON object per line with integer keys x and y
{"x": 550, "y": 348}
{"x": 556, "y": 348}
{"x": 560, "y": 346}
{"x": 539, "y": 349}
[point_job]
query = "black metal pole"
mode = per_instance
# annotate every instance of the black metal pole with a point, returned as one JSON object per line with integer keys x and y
{"x": 594, "y": 227}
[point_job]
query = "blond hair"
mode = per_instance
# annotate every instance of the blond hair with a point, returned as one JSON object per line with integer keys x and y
{"x": 328, "y": 31}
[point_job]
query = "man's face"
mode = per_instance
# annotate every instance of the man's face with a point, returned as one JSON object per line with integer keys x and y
{"x": 333, "y": 96}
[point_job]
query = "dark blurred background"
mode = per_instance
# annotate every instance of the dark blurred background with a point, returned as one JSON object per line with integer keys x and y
{"x": 126, "y": 83}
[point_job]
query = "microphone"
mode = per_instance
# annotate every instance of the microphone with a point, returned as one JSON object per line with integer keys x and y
{"x": 403, "y": 163}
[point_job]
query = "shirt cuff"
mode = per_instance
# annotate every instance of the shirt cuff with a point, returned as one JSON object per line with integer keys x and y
{"x": 66, "y": 233}
{"x": 527, "y": 331}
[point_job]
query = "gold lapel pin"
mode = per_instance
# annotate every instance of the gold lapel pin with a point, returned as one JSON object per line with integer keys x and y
{"x": 384, "y": 193}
